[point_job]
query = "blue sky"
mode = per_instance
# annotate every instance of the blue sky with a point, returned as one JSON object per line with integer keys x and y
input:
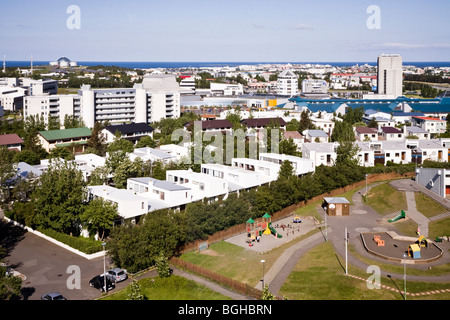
{"x": 226, "y": 30}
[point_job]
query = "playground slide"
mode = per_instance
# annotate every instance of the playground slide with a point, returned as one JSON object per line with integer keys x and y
{"x": 274, "y": 232}
{"x": 402, "y": 215}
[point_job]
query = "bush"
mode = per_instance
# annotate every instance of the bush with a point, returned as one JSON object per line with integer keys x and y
{"x": 86, "y": 245}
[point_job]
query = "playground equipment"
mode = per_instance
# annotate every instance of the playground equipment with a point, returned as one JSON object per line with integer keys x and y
{"x": 256, "y": 229}
{"x": 297, "y": 220}
{"x": 422, "y": 242}
{"x": 414, "y": 251}
{"x": 378, "y": 241}
{"x": 402, "y": 215}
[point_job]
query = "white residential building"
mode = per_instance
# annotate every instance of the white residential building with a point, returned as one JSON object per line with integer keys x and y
{"x": 314, "y": 86}
{"x": 418, "y": 132}
{"x": 320, "y": 153}
{"x": 317, "y": 136}
{"x": 266, "y": 168}
{"x": 152, "y": 155}
{"x": 301, "y": 166}
{"x": 287, "y": 83}
{"x": 160, "y": 194}
{"x": 202, "y": 186}
{"x": 240, "y": 177}
{"x": 156, "y": 98}
{"x": 226, "y": 89}
{"x": 130, "y": 206}
{"x": 390, "y": 75}
{"x": 430, "y": 124}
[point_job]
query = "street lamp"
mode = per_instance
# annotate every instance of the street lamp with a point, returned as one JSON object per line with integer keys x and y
{"x": 263, "y": 261}
{"x": 104, "y": 265}
{"x": 404, "y": 273}
{"x": 366, "y": 184}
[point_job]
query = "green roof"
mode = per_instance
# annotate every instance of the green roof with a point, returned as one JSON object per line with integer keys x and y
{"x": 65, "y": 134}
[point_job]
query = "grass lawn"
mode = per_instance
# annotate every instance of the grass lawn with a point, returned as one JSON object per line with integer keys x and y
{"x": 385, "y": 200}
{"x": 173, "y": 288}
{"x": 439, "y": 228}
{"x": 319, "y": 275}
{"x": 427, "y": 206}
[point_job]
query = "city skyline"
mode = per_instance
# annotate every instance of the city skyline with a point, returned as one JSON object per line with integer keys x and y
{"x": 233, "y": 31}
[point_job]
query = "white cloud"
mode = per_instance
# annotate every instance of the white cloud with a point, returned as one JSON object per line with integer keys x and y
{"x": 399, "y": 45}
{"x": 301, "y": 26}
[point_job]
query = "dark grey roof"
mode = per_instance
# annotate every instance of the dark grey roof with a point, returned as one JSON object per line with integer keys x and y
{"x": 130, "y": 128}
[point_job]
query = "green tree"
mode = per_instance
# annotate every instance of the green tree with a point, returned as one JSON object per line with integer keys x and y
{"x": 134, "y": 291}
{"x": 99, "y": 217}
{"x": 146, "y": 141}
{"x": 163, "y": 267}
{"x": 288, "y": 146}
{"x": 10, "y": 286}
{"x": 305, "y": 122}
{"x": 286, "y": 170}
{"x": 96, "y": 143}
{"x": 59, "y": 198}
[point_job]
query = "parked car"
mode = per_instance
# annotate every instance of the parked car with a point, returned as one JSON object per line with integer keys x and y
{"x": 98, "y": 282}
{"x": 117, "y": 274}
{"x": 53, "y": 296}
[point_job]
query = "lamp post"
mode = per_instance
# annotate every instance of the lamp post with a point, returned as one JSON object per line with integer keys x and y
{"x": 346, "y": 257}
{"x": 366, "y": 185}
{"x": 404, "y": 274}
{"x": 263, "y": 261}
{"x": 104, "y": 265}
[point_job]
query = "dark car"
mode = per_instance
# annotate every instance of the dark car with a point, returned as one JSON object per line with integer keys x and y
{"x": 53, "y": 296}
{"x": 98, "y": 282}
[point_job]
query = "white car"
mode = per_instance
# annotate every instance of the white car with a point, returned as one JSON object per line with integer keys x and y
{"x": 117, "y": 274}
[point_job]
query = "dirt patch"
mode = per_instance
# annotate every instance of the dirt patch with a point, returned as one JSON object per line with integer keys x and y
{"x": 212, "y": 253}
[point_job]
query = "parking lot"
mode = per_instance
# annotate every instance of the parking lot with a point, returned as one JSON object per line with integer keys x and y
{"x": 49, "y": 268}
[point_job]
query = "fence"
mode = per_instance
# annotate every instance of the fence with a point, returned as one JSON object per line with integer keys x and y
{"x": 225, "y": 234}
{"x": 242, "y": 288}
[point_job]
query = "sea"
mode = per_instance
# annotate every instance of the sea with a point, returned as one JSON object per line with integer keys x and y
{"x": 177, "y": 65}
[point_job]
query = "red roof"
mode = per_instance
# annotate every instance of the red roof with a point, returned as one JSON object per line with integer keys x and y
{"x": 428, "y": 118}
{"x": 9, "y": 139}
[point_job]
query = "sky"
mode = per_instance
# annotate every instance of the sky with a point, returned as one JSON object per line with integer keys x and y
{"x": 226, "y": 30}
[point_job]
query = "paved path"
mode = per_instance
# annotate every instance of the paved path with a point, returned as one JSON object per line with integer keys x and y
{"x": 362, "y": 219}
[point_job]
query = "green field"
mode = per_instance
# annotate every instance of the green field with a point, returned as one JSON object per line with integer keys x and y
{"x": 172, "y": 288}
{"x": 319, "y": 275}
{"x": 385, "y": 199}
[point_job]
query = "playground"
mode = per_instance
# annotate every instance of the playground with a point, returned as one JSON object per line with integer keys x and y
{"x": 263, "y": 234}
{"x": 389, "y": 245}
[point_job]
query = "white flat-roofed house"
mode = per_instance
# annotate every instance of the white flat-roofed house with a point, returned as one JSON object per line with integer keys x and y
{"x": 202, "y": 186}
{"x": 366, "y": 154}
{"x": 179, "y": 152}
{"x": 320, "y": 153}
{"x": 432, "y": 150}
{"x": 151, "y": 154}
{"x": 240, "y": 177}
{"x": 396, "y": 152}
{"x": 301, "y": 166}
{"x": 129, "y": 205}
{"x": 326, "y": 125}
{"x": 269, "y": 169}
{"x": 160, "y": 194}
